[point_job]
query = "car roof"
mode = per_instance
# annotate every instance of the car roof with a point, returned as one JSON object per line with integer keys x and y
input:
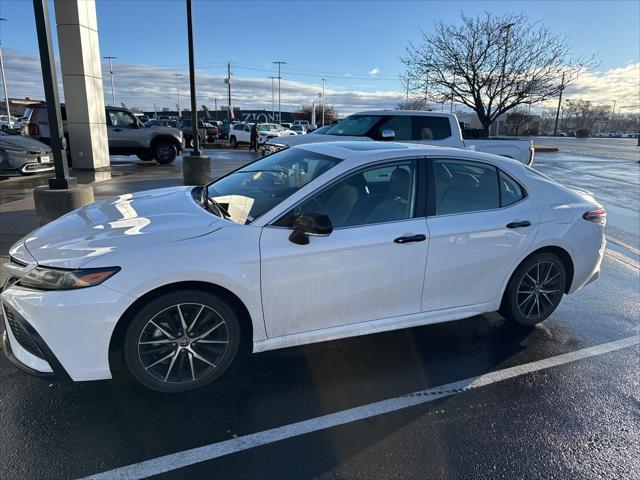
{"x": 402, "y": 112}
{"x": 361, "y": 150}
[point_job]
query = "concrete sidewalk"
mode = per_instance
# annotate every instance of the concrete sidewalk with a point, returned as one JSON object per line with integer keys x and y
{"x": 17, "y": 213}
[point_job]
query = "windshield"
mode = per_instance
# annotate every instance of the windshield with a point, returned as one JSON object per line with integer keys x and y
{"x": 355, "y": 125}
{"x": 257, "y": 188}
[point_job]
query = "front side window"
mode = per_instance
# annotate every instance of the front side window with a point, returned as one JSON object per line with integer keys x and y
{"x": 377, "y": 194}
{"x": 355, "y": 125}
{"x": 258, "y": 187}
{"x": 121, "y": 119}
{"x": 463, "y": 186}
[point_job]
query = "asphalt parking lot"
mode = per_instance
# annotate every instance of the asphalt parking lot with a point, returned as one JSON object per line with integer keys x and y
{"x": 477, "y": 398}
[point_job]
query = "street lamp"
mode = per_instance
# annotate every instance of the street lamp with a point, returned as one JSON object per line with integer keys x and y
{"x": 178, "y": 75}
{"x": 273, "y": 103}
{"x": 4, "y": 81}
{"x": 279, "y": 78}
{"x": 113, "y": 92}
{"x": 323, "y": 82}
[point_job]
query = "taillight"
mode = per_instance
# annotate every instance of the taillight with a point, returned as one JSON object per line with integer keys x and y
{"x": 599, "y": 216}
{"x": 34, "y": 131}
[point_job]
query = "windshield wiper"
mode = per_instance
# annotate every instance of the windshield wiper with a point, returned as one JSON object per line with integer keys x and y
{"x": 205, "y": 200}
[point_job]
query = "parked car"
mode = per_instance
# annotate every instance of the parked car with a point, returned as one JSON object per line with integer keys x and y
{"x": 308, "y": 126}
{"x": 126, "y": 135}
{"x": 286, "y": 125}
{"x": 299, "y": 129}
{"x": 206, "y": 131}
{"x": 223, "y": 130}
{"x": 411, "y": 126}
{"x": 157, "y": 122}
{"x": 313, "y": 243}
{"x": 10, "y": 126}
{"x": 24, "y": 155}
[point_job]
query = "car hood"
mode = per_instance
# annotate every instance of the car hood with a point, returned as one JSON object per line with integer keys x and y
{"x": 176, "y": 132}
{"x": 128, "y": 222}
{"x": 294, "y": 140}
{"x": 18, "y": 142}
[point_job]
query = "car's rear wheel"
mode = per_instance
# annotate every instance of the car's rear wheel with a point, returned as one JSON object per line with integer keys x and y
{"x": 145, "y": 156}
{"x": 181, "y": 341}
{"x": 535, "y": 289}
{"x": 233, "y": 142}
{"x": 165, "y": 152}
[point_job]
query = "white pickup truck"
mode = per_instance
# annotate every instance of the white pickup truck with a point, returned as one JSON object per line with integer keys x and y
{"x": 432, "y": 128}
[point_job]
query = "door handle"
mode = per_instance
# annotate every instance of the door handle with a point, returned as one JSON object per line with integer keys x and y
{"x": 524, "y": 223}
{"x": 411, "y": 238}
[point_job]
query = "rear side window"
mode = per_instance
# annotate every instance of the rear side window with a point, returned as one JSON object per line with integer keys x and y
{"x": 463, "y": 186}
{"x": 401, "y": 126}
{"x": 431, "y": 128}
{"x": 510, "y": 190}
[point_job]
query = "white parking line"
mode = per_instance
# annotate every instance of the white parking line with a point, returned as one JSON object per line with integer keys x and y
{"x": 185, "y": 458}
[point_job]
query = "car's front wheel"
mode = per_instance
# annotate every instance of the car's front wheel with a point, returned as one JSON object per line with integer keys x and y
{"x": 181, "y": 341}
{"x": 535, "y": 289}
{"x": 165, "y": 152}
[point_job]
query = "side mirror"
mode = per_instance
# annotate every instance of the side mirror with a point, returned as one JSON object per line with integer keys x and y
{"x": 313, "y": 224}
{"x": 387, "y": 134}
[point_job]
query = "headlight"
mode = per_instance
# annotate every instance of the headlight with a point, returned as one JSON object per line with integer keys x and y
{"x": 42, "y": 278}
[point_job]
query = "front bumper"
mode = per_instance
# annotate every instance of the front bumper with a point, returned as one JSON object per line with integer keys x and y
{"x": 62, "y": 334}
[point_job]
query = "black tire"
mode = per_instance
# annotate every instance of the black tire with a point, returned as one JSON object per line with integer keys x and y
{"x": 163, "y": 358}
{"x": 535, "y": 289}
{"x": 145, "y": 156}
{"x": 165, "y": 152}
{"x": 233, "y": 142}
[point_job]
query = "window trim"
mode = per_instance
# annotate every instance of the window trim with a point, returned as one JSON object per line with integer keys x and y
{"x": 420, "y": 207}
{"x": 431, "y": 200}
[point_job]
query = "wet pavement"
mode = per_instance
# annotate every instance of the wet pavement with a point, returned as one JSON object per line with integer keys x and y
{"x": 576, "y": 420}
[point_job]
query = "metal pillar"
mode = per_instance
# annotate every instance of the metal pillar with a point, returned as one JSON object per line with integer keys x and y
{"x": 195, "y": 141}
{"x": 49, "y": 79}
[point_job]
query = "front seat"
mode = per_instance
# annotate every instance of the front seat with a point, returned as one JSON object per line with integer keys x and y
{"x": 340, "y": 203}
{"x": 396, "y": 206}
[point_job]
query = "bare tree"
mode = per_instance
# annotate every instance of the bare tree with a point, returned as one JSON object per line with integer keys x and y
{"x": 516, "y": 119}
{"x": 584, "y": 113}
{"x": 492, "y": 64}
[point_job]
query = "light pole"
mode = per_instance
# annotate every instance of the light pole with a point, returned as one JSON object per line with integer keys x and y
{"x": 215, "y": 109}
{"x": 273, "y": 102}
{"x": 195, "y": 140}
{"x": 323, "y": 82}
{"x": 279, "y": 104}
{"x": 178, "y": 75}
{"x": 4, "y": 81}
{"x": 113, "y": 92}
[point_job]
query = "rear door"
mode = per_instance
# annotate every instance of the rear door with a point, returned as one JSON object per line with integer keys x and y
{"x": 480, "y": 222}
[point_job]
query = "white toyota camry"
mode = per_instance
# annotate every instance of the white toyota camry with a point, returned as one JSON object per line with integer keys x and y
{"x": 312, "y": 243}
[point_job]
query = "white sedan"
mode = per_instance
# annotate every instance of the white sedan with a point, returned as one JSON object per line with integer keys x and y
{"x": 312, "y": 243}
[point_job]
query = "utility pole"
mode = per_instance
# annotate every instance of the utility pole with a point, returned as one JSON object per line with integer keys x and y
{"x": 323, "y": 82}
{"x": 228, "y": 82}
{"x": 273, "y": 101}
{"x": 555, "y": 128}
{"x": 113, "y": 94}
{"x": 279, "y": 79}
{"x": 4, "y": 81}
{"x": 178, "y": 75}
{"x": 215, "y": 109}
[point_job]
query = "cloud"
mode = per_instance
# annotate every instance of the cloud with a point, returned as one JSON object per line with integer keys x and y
{"x": 142, "y": 86}
{"x": 374, "y": 71}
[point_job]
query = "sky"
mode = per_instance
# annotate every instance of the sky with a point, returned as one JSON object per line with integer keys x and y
{"x": 355, "y": 45}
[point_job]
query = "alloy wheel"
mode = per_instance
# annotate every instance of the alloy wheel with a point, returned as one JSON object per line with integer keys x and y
{"x": 183, "y": 343}
{"x": 540, "y": 290}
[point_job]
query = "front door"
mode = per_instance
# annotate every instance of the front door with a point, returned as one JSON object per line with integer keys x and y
{"x": 482, "y": 224}
{"x": 370, "y": 267}
{"x": 122, "y": 131}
